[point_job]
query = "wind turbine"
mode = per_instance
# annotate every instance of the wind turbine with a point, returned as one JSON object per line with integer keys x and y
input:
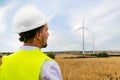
{"x": 83, "y": 27}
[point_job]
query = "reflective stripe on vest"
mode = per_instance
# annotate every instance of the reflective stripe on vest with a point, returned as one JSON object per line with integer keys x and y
{"x": 23, "y": 65}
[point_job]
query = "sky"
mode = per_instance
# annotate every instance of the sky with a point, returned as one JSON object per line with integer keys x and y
{"x": 101, "y": 18}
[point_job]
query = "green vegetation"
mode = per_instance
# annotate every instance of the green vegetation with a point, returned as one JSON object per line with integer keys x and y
{"x": 103, "y": 54}
{"x": 51, "y": 55}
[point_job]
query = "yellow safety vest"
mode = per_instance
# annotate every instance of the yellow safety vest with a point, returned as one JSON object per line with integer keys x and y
{"x": 23, "y": 65}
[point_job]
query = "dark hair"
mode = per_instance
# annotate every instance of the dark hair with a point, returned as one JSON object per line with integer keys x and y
{"x": 29, "y": 35}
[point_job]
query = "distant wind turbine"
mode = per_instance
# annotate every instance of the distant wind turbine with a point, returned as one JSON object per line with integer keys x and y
{"x": 83, "y": 27}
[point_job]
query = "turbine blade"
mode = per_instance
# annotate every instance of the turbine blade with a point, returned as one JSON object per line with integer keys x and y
{"x": 78, "y": 29}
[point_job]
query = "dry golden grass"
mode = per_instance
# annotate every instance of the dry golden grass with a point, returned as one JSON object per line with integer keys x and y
{"x": 61, "y": 56}
{"x": 90, "y": 68}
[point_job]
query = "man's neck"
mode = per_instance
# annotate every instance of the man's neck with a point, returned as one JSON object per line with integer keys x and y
{"x": 31, "y": 44}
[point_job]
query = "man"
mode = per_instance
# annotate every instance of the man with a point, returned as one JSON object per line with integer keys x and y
{"x": 30, "y": 63}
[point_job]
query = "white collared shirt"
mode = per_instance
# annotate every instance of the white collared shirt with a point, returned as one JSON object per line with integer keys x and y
{"x": 50, "y": 70}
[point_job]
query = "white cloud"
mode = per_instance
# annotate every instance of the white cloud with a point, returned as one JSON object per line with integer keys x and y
{"x": 95, "y": 14}
{"x": 3, "y": 12}
{"x": 55, "y": 37}
{"x": 51, "y": 17}
{"x": 104, "y": 9}
{"x": 6, "y": 43}
{"x": 10, "y": 45}
{"x": 72, "y": 47}
{"x": 48, "y": 7}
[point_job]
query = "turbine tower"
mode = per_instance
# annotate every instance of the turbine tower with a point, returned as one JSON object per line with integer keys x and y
{"x": 83, "y": 38}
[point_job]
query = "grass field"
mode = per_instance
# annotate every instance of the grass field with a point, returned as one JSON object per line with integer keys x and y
{"x": 90, "y": 68}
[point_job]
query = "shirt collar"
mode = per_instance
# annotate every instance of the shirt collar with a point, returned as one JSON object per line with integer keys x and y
{"x": 28, "y": 47}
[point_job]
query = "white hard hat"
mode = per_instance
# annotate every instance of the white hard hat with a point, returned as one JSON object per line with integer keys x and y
{"x": 28, "y": 18}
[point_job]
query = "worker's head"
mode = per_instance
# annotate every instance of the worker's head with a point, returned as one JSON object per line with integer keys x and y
{"x": 32, "y": 27}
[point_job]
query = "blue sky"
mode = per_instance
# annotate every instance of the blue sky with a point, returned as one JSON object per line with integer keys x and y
{"x": 102, "y": 17}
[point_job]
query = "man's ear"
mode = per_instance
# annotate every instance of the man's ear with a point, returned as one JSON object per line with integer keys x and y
{"x": 38, "y": 36}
